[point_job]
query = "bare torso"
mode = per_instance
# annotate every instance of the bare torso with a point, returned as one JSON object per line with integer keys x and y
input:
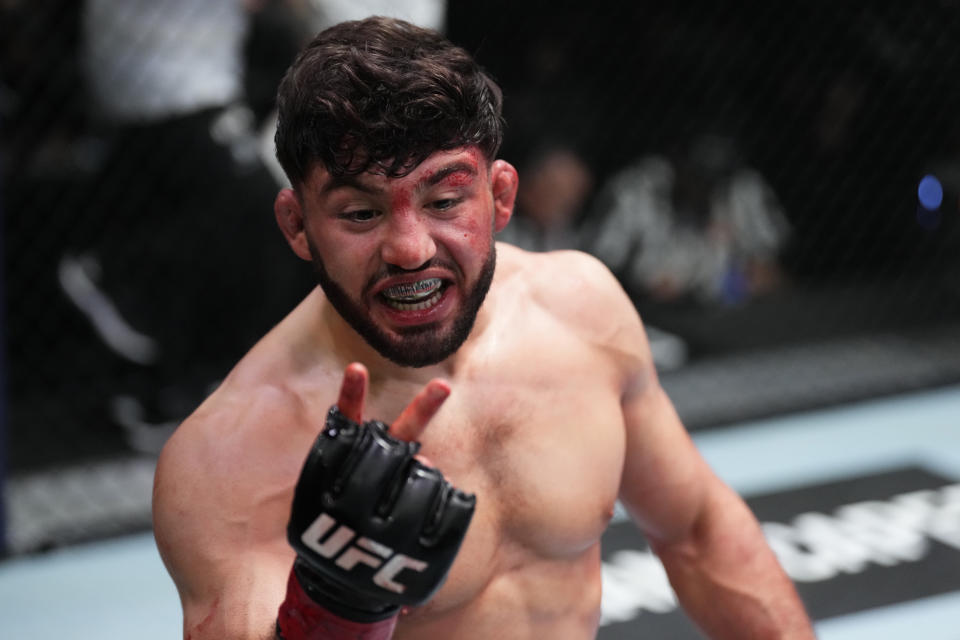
{"x": 534, "y": 427}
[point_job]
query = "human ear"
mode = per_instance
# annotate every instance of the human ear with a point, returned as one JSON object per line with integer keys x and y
{"x": 289, "y": 213}
{"x": 503, "y": 177}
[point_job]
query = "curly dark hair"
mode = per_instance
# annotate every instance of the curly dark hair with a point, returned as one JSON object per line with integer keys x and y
{"x": 381, "y": 95}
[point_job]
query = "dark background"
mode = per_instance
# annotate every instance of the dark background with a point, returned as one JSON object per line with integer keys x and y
{"x": 843, "y": 108}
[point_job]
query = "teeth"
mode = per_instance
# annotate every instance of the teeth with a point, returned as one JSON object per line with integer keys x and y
{"x": 413, "y": 291}
{"x": 414, "y": 296}
{"x": 415, "y": 306}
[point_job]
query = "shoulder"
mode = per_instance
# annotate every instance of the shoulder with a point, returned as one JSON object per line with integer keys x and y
{"x": 223, "y": 487}
{"x": 578, "y": 291}
{"x": 227, "y": 423}
{"x": 260, "y": 409}
{"x": 254, "y": 429}
{"x": 572, "y": 285}
{"x": 200, "y": 464}
{"x": 544, "y": 271}
{"x": 243, "y": 441}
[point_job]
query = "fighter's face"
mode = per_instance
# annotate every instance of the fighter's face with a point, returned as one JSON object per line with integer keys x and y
{"x": 406, "y": 261}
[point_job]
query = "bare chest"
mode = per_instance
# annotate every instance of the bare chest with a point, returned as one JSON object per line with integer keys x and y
{"x": 546, "y": 464}
{"x": 543, "y": 453}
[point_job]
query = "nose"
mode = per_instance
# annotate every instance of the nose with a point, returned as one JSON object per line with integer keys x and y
{"x": 408, "y": 243}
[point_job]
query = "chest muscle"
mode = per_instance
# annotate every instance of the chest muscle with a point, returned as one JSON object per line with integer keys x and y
{"x": 542, "y": 448}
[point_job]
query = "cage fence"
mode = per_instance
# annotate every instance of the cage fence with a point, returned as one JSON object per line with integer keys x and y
{"x": 776, "y": 186}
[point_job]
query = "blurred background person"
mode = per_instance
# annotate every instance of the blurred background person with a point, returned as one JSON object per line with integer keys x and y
{"x": 174, "y": 260}
{"x": 178, "y": 266}
{"x": 696, "y": 224}
{"x": 557, "y": 183}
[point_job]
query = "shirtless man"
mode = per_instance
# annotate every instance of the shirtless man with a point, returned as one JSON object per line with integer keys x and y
{"x": 529, "y": 386}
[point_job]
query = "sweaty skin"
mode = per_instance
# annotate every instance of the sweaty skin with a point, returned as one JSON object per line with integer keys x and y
{"x": 554, "y": 412}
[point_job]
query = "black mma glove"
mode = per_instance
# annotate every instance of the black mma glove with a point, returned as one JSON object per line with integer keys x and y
{"x": 373, "y": 528}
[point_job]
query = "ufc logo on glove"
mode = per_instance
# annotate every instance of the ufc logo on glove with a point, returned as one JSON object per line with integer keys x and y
{"x": 364, "y": 499}
{"x": 339, "y": 539}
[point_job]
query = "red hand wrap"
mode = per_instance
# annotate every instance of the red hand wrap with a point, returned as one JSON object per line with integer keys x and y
{"x": 300, "y": 618}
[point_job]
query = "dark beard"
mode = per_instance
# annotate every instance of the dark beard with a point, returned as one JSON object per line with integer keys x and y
{"x": 416, "y": 346}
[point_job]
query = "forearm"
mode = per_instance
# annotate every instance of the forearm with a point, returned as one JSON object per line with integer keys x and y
{"x": 727, "y": 578}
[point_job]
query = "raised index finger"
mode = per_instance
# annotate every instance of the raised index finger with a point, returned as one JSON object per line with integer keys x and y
{"x": 413, "y": 421}
{"x": 353, "y": 391}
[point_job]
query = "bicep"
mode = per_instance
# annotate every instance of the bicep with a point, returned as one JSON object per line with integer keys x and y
{"x": 665, "y": 480}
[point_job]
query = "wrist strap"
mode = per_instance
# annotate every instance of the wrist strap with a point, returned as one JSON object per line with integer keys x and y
{"x": 301, "y": 618}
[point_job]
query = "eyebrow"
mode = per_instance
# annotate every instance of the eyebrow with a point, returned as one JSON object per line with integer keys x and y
{"x": 443, "y": 174}
{"x": 354, "y": 181}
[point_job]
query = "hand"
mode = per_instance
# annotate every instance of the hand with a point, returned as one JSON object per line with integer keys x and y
{"x": 374, "y": 528}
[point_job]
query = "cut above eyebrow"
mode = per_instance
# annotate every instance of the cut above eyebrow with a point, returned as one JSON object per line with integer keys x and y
{"x": 442, "y": 174}
{"x": 354, "y": 182}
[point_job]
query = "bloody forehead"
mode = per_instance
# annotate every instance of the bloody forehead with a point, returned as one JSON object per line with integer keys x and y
{"x": 456, "y": 172}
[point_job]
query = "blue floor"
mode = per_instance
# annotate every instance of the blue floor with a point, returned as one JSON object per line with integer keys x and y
{"x": 920, "y": 429}
{"x": 115, "y": 589}
{"x": 119, "y": 588}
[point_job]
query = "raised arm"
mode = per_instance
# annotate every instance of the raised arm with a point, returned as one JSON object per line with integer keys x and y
{"x": 724, "y": 573}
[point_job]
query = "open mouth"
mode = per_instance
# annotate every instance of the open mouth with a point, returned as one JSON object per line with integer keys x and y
{"x": 414, "y": 296}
